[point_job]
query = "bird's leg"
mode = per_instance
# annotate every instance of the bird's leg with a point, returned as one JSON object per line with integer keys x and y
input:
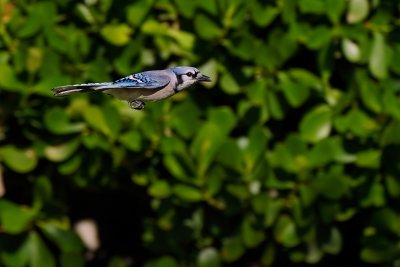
{"x": 136, "y": 104}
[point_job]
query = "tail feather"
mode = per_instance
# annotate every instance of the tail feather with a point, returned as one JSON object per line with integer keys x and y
{"x": 80, "y": 88}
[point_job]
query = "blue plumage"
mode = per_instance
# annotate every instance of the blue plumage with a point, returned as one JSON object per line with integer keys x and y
{"x": 151, "y": 85}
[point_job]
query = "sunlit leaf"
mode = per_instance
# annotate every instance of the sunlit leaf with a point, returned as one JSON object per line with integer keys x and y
{"x": 19, "y": 160}
{"x": 118, "y": 34}
{"x": 15, "y": 218}
{"x": 208, "y": 257}
{"x": 61, "y": 152}
{"x": 378, "y": 63}
{"x": 160, "y": 189}
{"x": 316, "y": 124}
{"x": 357, "y": 11}
{"x": 187, "y": 193}
{"x": 285, "y": 232}
{"x": 351, "y": 50}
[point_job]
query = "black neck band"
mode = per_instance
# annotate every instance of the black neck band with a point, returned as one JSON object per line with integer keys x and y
{"x": 178, "y": 82}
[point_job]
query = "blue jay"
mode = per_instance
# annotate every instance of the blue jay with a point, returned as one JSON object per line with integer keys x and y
{"x": 151, "y": 85}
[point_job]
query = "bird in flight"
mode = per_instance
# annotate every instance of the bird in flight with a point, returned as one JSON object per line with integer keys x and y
{"x": 150, "y": 85}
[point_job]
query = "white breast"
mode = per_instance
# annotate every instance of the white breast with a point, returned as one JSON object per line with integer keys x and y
{"x": 130, "y": 94}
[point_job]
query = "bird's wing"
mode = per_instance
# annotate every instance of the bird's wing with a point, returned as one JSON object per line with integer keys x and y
{"x": 146, "y": 80}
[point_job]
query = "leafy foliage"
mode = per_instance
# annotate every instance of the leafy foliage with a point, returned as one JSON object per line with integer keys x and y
{"x": 291, "y": 157}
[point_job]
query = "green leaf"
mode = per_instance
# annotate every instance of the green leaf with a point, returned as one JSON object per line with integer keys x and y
{"x": 57, "y": 122}
{"x": 8, "y": 79}
{"x": 370, "y": 92}
{"x": 269, "y": 254}
{"x": 188, "y": 193}
{"x": 232, "y": 249}
{"x": 351, "y": 50}
{"x": 251, "y": 237}
{"x": 312, "y": 6}
{"x": 335, "y": 242}
{"x": 66, "y": 240}
{"x": 17, "y": 257}
{"x": 318, "y": 37}
{"x": 160, "y": 189}
{"x": 229, "y": 84}
{"x": 72, "y": 259}
{"x": 174, "y": 165}
{"x": 118, "y": 34}
{"x": 275, "y": 106}
{"x": 375, "y": 197}
{"x": 335, "y": 9}
{"x": 296, "y": 93}
{"x": 40, "y": 254}
{"x": 95, "y": 117}
{"x": 61, "y": 152}
{"x": 185, "y": 118}
{"x": 41, "y": 15}
{"x": 162, "y": 262}
{"x": 224, "y": 117}
{"x": 369, "y": 159}
{"x": 112, "y": 118}
{"x": 230, "y": 155}
{"x": 184, "y": 39}
{"x": 187, "y": 8}
{"x": 132, "y": 140}
{"x": 15, "y": 218}
{"x": 137, "y": 11}
{"x": 375, "y": 255}
{"x": 378, "y": 63}
{"x": 19, "y": 160}
{"x": 358, "y": 10}
{"x": 360, "y": 124}
{"x": 328, "y": 150}
{"x": 395, "y": 58}
{"x": 263, "y": 16}
{"x": 392, "y": 104}
{"x": 173, "y": 144}
{"x": 208, "y": 257}
{"x": 70, "y": 166}
{"x": 253, "y": 146}
{"x": 285, "y": 232}
{"x": 386, "y": 219}
{"x": 85, "y": 13}
{"x": 316, "y": 124}
{"x": 34, "y": 59}
{"x": 42, "y": 192}
{"x": 392, "y": 186}
{"x": 206, "y": 144}
{"x": 331, "y": 184}
{"x": 211, "y": 69}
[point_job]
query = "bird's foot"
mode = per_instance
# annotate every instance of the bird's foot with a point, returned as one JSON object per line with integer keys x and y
{"x": 136, "y": 104}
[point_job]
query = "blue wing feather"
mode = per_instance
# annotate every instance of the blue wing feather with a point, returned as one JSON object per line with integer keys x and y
{"x": 145, "y": 80}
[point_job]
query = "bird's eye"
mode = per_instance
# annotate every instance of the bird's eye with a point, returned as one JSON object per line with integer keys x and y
{"x": 189, "y": 74}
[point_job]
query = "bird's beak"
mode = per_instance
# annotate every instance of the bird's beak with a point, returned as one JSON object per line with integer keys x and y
{"x": 203, "y": 78}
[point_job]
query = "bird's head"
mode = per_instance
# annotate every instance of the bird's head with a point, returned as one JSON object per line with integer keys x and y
{"x": 186, "y": 76}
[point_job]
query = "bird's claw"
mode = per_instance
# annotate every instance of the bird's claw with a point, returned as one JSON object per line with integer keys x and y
{"x": 136, "y": 104}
